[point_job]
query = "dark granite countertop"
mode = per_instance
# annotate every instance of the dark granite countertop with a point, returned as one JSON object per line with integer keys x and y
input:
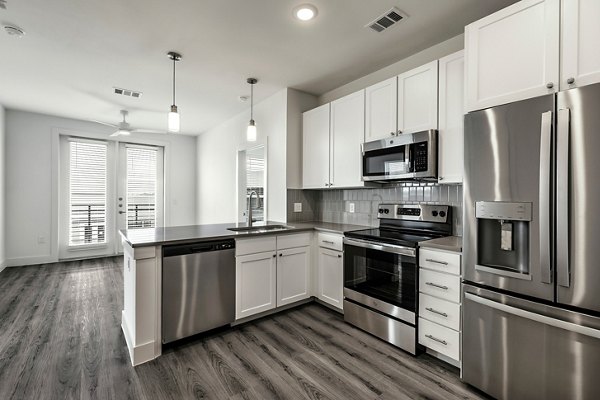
{"x": 448, "y": 243}
{"x": 194, "y": 233}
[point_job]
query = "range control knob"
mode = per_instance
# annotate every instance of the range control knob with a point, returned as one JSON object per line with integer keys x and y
{"x": 434, "y": 213}
{"x": 386, "y": 211}
{"x": 380, "y": 211}
{"x": 442, "y": 214}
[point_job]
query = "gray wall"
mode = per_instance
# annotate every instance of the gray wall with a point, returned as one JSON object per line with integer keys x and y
{"x": 334, "y": 205}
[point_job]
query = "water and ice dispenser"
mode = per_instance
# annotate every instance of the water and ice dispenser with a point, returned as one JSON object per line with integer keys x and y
{"x": 503, "y": 237}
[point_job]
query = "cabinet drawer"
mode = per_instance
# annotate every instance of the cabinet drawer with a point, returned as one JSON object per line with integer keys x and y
{"x": 255, "y": 245}
{"x": 441, "y": 311}
{"x": 439, "y": 338}
{"x": 293, "y": 240}
{"x": 330, "y": 241}
{"x": 440, "y": 261}
{"x": 443, "y": 286}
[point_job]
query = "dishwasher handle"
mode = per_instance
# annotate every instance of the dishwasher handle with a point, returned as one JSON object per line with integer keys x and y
{"x": 198, "y": 247}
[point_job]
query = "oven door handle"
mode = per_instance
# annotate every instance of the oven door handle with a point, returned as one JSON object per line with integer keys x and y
{"x": 389, "y": 248}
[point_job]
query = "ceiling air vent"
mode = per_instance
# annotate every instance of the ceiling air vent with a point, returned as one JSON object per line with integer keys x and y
{"x": 127, "y": 92}
{"x": 387, "y": 20}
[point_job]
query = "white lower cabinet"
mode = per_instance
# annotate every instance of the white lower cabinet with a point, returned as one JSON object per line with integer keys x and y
{"x": 255, "y": 283}
{"x": 293, "y": 275}
{"x": 271, "y": 271}
{"x": 439, "y": 302}
{"x": 330, "y": 277}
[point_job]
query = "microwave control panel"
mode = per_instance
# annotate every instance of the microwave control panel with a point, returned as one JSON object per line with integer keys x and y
{"x": 419, "y": 153}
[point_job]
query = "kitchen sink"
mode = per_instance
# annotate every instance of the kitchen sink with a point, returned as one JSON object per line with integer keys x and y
{"x": 260, "y": 229}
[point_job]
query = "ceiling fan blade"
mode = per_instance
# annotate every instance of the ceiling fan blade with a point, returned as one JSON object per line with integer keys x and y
{"x": 104, "y": 123}
{"x": 147, "y": 131}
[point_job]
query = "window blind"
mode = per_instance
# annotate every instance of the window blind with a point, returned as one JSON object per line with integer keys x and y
{"x": 141, "y": 187}
{"x": 87, "y": 193}
{"x": 255, "y": 181}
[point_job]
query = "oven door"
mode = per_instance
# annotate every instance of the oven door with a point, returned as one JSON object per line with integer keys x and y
{"x": 382, "y": 277}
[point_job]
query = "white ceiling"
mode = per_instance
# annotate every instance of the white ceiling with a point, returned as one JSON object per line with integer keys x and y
{"x": 74, "y": 52}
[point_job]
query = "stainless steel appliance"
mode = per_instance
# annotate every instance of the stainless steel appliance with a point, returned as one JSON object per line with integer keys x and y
{"x": 531, "y": 298}
{"x": 198, "y": 288}
{"x": 406, "y": 156}
{"x": 381, "y": 271}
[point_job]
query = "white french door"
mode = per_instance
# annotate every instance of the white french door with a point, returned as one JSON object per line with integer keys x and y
{"x": 140, "y": 188}
{"x": 106, "y": 186}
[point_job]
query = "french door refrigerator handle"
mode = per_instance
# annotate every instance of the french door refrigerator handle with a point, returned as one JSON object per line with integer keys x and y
{"x": 533, "y": 316}
{"x": 562, "y": 197}
{"x": 545, "y": 190}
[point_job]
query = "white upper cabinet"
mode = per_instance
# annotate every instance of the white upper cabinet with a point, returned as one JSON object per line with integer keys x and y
{"x": 347, "y": 136}
{"x": 451, "y": 115}
{"x": 315, "y": 171}
{"x": 381, "y": 109}
{"x": 513, "y": 54}
{"x": 580, "y": 32}
{"x": 418, "y": 99}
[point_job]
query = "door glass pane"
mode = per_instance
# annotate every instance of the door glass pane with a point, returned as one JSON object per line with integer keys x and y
{"x": 141, "y": 187}
{"x": 87, "y": 193}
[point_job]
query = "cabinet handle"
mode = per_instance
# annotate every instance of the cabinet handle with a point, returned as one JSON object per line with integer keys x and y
{"x": 436, "y": 261}
{"x": 280, "y": 255}
{"x": 571, "y": 81}
{"x": 441, "y": 178}
{"x": 443, "y": 314}
{"x": 339, "y": 256}
{"x": 399, "y": 132}
{"x": 274, "y": 255}
{"x": 550, "y": 85}
{"x": 436, "y": 285}
{"x": 328, "y": 241}
{"x": 326, "y": 184}
{"x": 392, "y": 133}
{"x": 437, "y": 340}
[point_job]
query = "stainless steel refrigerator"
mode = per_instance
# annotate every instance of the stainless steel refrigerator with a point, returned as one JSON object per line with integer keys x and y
{"x": 531, "y": 248}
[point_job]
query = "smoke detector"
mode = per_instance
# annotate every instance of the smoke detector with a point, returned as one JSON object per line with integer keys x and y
{"x": 127, "y": 92}
{"x": 14, "y": 30}
{"x": 386, "y": 20}
{"x": 243, "y": 99}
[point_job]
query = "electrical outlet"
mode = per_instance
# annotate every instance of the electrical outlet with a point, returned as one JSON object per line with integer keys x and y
{"x": 297, "y": 207}
{"x": 351, "y": 207}
{"x": 41, "y": 239}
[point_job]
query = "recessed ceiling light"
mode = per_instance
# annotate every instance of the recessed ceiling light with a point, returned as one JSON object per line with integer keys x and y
{"x": 13, "y": 30}
{"x": 305, "y": 12}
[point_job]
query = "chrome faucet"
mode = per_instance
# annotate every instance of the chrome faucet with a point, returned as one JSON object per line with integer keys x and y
{"x": 250, "y": 206}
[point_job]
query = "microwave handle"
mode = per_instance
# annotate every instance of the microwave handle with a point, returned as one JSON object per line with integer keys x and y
{"x": 411, "y": 158}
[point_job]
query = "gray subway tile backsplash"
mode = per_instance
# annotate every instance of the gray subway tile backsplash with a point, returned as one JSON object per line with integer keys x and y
{"x": 334, "y": 205}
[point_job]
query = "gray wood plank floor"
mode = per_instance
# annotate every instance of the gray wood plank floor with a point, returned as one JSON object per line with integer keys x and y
{"x": 60, "y": 338}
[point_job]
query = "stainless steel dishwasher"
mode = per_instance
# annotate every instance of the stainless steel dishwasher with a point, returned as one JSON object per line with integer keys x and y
{"x": 198, "y": 288}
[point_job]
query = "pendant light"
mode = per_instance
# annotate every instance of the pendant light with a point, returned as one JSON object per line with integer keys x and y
{"x": 173, "y": 121}
{"x": 251, "y": 132}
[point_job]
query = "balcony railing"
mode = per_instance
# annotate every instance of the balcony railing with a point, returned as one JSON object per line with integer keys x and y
{"x": 141, "y": 216}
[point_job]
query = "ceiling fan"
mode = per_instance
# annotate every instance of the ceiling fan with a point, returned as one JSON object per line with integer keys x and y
{"x": 123, "y": 127}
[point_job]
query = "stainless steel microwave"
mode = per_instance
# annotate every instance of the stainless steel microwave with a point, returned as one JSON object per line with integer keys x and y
{"x": 406, "y": 156}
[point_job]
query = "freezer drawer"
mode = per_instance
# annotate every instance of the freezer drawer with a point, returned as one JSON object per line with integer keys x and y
{"x": 518, "y": 349}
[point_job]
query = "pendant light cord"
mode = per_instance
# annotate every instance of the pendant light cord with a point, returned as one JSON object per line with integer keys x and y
{"x": 174, "y": 61}
{"x": 251, "y": 101}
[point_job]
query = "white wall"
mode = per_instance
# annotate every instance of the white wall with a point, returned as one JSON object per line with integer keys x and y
{"x": 423, "y": 57}
{"x": 2, "y": 189}
{"x": 217, "y": 154}
{"x": 32, "y": 216}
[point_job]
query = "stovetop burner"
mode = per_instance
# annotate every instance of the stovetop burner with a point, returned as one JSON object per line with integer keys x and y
{"x": 407, "y": 225}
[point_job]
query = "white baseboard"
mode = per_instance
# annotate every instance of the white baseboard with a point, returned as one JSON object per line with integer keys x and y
{"x": 22, "y": 261}
{"x": 138, "y": 354}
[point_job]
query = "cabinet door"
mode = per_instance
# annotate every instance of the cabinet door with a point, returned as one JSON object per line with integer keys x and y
{"x": 451, "y": 114}
{"x": 315, "y": 161}
{"x": 513, "y": 54}
{"x": 330, "y": 278}
{"x": 381, "y": 109}
{"x": 293, "y": 275}
{"x": 255, "y": 284}
{"x": 347, "y": 137}
{"x": 417, "y": 99}
{"x": 580, "y": 31}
